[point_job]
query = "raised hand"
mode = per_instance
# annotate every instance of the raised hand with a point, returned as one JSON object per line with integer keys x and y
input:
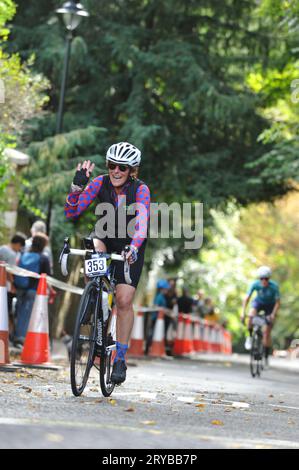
{"x": 83, "y": 173}
{"x": 86, "y": 165}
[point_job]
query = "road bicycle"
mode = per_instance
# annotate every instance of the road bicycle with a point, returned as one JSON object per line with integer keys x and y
{"x": 94, "y": 335}
{"x": 257, "y": 349}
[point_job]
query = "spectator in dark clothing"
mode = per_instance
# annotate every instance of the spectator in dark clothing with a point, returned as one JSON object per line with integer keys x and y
{"x": 200, "y": 303}
{"x": 37, "y": 262}
{"x": 171, "y": 294}
{"x": 171, "y": 304}
{"x": 185, "y": 302}
{"x": 9, "y": 254}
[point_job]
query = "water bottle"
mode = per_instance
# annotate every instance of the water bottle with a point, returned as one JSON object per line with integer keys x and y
{"x": 105, "y": 305}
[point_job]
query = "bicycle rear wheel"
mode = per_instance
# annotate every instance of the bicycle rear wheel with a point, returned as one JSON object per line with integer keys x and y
{"x": 83, "y": 346}
{"x": 255, "y": 355}
{"x": 108, "y": 353}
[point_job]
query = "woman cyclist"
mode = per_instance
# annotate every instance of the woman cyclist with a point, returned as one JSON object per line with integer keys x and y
{"x": 120, "y": 189}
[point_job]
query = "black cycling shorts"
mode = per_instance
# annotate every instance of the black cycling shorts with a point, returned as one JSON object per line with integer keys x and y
{"x": 117, "y": 267}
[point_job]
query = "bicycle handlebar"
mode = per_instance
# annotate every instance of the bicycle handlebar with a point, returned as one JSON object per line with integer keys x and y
{"x": 112, "y": 256}
{"x": 74, "y": 251}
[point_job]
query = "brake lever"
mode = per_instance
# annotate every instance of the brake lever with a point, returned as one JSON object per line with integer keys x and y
{"x": 127, "y": 267}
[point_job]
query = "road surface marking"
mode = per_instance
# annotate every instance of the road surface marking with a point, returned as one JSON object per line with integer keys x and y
{"x": 215, "y": 401}
{"x": 282, "y": 406}
{"x": 145, "y": 395}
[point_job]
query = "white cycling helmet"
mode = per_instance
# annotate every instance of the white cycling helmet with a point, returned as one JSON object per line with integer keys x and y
{"x": 124, "y": 154}
{"x": 264, "y": 271}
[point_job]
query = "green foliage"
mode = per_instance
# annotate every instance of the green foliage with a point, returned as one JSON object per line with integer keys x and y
{"x": 223, "y": 270}
{"x": 7, "y": 12}
{"x": 270, "y": 234}
{"x": 169, "y": 76}
{"x": 24, "y": 96}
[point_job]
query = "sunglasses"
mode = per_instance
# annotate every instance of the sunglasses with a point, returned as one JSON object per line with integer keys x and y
{"x": 264, "y": 278}
{"x": 122, "y": 168}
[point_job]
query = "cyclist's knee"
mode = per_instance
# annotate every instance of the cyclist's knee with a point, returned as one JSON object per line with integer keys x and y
{"x": 124, "y": 301}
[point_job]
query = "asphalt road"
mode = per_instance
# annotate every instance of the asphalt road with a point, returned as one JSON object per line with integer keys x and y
{"x": 164, "y": 404}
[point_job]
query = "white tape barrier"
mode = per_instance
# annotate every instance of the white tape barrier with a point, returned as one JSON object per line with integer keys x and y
{"x": 51, "y": 280}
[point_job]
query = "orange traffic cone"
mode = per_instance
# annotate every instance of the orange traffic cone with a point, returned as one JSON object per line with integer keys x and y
{"x": 4, "y": 330}
{"x": 137, "y": 339}
{"x": 197, "y": 343}
{"x": 157, "y": 348}
{"x": 36, "y": 351}
{"x": 218, "y": 338}
{"x": 213, "y": 341}
{"x": 178, "y": 343}
{"x": 188, "y": 336}
{"x": 206, "y": 336}
{"x": 227, "y": 342}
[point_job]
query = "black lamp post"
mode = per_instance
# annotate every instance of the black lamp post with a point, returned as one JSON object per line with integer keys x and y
{"x": 72, "y": 15}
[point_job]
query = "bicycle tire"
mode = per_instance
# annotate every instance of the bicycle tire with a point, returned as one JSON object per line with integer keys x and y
{"x": 254, "y": 367}
{"x": 83, "y": 345}
{"x": 107, "y": 357}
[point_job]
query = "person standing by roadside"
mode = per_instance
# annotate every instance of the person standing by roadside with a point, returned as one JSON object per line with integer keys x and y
{"x": 35, "y": 261}
{"x": 185, "y": 302}
{"x": 172, "y": 304}
{"x": 9, "y": 254}
{"x": 38, "y": 227}
{"x": 160, "y": 302}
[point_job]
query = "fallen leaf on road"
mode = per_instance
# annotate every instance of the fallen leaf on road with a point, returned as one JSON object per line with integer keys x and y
{"x": 54, "y": 437}
{"x": 154, "y": 431}
{"x": 112, "y": 402}
{"x": 279, "y": 410}
{"x": 130, "y": 410}
{"x": 98, "y": 401}
{"x": 268, "y": 434}
{"x": 149, "y": 423}
{"x": 217, "y": 422}
{"x": 271, "y": 396}
{"x": 291, "y": 422}
{"x": 201, "y": 405}
{"x": 228, "y": 410}
{"x": 27, "y": 389}
{"x": 93, "y": 389}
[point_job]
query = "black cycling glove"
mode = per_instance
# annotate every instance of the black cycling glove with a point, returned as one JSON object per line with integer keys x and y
{"x": 80, "y": 178}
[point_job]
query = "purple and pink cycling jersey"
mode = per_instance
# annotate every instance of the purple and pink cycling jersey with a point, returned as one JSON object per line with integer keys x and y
{"x": 78, "y": 202}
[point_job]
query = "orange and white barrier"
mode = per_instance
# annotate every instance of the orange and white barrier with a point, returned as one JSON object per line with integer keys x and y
{"x": 137, "y": 339}
{"x": 204, "y": 337}
{"x": 178, "y": 342}
{"x": 4, "y": 328}
{"x": 188, "y": 336}
{"x": 157, "y": 348}
{"x": 36, "y": 347}
{"x": 227, "y": 342}
{"x": 197, "y": 343}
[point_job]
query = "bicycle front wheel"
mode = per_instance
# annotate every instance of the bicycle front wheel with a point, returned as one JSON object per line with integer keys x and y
{"x": 107, "y": 355}
{"x": 83, "y": 346}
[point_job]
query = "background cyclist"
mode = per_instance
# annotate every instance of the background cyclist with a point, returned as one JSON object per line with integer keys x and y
{"x": 268, "y": 300}
{"x": 120, "y": 188}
